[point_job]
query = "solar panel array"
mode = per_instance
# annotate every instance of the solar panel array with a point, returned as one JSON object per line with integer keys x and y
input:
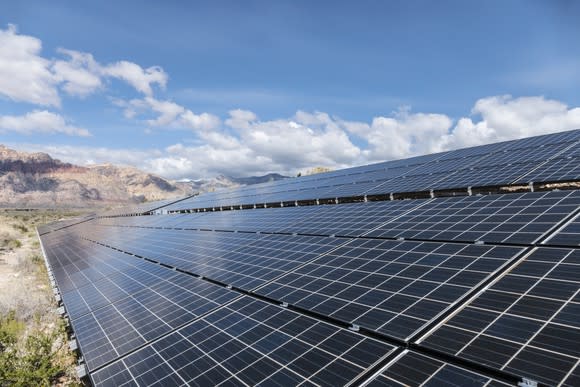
{"x": 549, "y": 158}
{"x": 480, "y": 289}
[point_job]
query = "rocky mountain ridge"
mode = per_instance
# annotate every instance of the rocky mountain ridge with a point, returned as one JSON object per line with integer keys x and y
{"x": 38, "y": 180}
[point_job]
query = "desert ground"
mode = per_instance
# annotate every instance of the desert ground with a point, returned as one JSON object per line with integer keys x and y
{"x": 33, "y": 339}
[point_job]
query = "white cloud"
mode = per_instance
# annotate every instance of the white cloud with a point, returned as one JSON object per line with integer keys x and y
{"x": 141, "y": 79}
{"x": 507, "y": 118}
{"x": 168, "y": 111}
{"x": 79, "y": 75}
{"x": 25, "y": 76}
{"x": 86, "y": 155}
{"x": 40, "y": 122}
{"x": 241, "y": 119}
{"x": 401, "y": 135}
{"x": 169, "y": 114}
{"x": 200, "y": 122}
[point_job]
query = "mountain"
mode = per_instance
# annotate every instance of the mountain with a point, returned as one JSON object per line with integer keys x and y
{"x": 223, "y": 182}
{"x": 38, "y": 180}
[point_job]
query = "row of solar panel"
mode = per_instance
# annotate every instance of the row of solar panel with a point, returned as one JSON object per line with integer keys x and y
{"x": 548, "y": 158}
{"x": 117, "y": 305}
{"x": 507, "y": 218}
{"x": 141, "y": 208}
{"x": 396, "y": 288}
{"x": 142, "y": 318}
{"x": 46, "y": 228}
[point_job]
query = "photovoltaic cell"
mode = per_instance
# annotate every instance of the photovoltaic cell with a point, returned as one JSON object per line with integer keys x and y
{"x": 526, "y": 323}
{"x": 253, "y": 343}
{"x": 473, "y": 288}
{"x": 508, "y": 218}
{"x": 393, "y": 287}
{"x": 568, "y": 235}
{"x": 414, "y": 369}
{"x": 237, "y": 259}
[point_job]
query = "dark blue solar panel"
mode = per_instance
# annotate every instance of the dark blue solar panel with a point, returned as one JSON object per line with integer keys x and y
{"x": 507, "y": 218}
{"x": 413, "y": 369}
{"x": 511, "y": 162}
{"x": 393, "y": 287}
{"x": 249, "y": 342}
{"x": 526, "y": 323}
{"x": 456, "y": 281}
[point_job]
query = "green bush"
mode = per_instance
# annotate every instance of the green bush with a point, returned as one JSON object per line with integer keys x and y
{"x": 29, "y": 361}
{"x": 23, "y": 229}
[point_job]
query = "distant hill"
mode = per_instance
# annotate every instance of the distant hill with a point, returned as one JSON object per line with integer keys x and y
{"x": 38, "y": 180}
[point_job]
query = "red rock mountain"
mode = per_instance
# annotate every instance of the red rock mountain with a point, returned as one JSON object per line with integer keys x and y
{"x": 38, "y": 180}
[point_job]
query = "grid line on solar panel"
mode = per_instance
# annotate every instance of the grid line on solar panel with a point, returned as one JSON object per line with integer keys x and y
{"x": 415, "y": 369}
{"x": 394, "y": 288}
{"x": 252, "y": 264}
{"x": 512, "y": 218}
{"x": 568, "y": 234}
{"x": 507, "y": 218}
{"x": 352, "y": 219}
{"x": 254, "y": 343}
{"x": 127, "y": 320}
{"x": 526, "y": 322}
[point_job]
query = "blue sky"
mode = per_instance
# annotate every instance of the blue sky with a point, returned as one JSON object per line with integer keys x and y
{"x": 189, "y": 89}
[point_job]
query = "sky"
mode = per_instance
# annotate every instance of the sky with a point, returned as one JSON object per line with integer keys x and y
{"x": 196, "y": 89}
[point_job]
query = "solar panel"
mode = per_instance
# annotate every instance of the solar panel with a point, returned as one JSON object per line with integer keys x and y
{"x": 392, "y": 287}
{"x": 414, "y": 369}
{"x": 569, "y": 235}
{"x": 509, "y": 218}
{"x": 241, "y": 260}
{"x": 507, "y": 163}
{"x": 480, "y": 287}
{"x": 526, "y": 322}
{"x": 249, "y": 342}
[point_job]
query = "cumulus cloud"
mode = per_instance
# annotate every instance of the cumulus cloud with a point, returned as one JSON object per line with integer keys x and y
{"x": 506, "y": 118}
{"x": 40, "y": 121}
{"x": 141, "y": 79}
{"x": 168, "y": 114}
{"x": 241, "y": 119}
{"x": 25, "y": 76}
{"x": 402, "y": 134}
{"x": 79, "y": 75}
{"x": 168, "y": 111}
{"x": 246, "y": 145}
